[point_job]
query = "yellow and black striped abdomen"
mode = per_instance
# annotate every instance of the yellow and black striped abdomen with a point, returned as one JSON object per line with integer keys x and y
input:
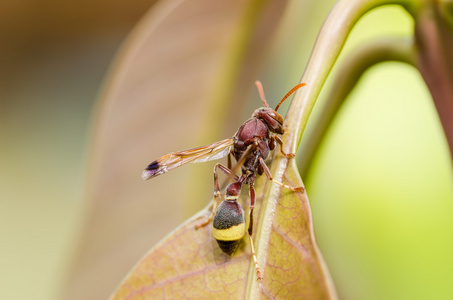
{"x": 228, "y": 225}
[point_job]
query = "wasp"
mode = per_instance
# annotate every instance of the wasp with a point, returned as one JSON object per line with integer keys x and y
{"x": 250, "y": 146}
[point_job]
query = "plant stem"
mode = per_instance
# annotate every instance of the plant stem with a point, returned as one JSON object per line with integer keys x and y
{"x": 329, "y": 43}
{"x": 353, "y": 67}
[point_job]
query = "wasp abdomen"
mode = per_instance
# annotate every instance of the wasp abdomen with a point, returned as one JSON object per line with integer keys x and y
{"x": 228, "y": 247}
{"x": 228, "y": 225}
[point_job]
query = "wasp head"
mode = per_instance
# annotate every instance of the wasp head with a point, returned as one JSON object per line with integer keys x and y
{"x": 272, "y": 119}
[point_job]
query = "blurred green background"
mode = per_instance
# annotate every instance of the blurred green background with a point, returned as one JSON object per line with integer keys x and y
{"x": 380, "y": 186}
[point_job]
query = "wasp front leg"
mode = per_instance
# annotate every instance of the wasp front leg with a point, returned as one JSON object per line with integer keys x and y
{"x": 217, "y": 195}
{"x": 276, "y": 139}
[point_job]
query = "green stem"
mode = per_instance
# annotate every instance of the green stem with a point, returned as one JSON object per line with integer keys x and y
{"x": 357, "y": 62}
{"x": 329, "y": 43}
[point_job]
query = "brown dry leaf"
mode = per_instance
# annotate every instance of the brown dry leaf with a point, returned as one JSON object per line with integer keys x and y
{"x": 183, "y": 62}
{"x": 188, "y": 264}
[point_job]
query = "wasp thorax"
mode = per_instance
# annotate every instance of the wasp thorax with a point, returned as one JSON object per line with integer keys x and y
{"x": 228, "y": 225}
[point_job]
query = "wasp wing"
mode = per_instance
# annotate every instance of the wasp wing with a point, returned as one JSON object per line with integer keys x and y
{"x": 201, "y": 154}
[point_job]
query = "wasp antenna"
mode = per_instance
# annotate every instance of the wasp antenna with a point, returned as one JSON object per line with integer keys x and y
{"x": 289, "y": 94}
{"x": 261, "y": 92}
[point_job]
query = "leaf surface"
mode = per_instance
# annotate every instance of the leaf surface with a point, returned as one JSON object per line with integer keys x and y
{"x": 189, "y": 264}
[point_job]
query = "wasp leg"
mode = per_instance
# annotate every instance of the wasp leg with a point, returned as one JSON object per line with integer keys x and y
{"x": 217, "y": 195}
{"x": 250, "y": 230}
{"x": 252, "y": 206}
{"x": 214, "y": 208}
{"x": 280, "y": 142}
{"x": 258, "y": 272}
{"x": 269, "y": 176}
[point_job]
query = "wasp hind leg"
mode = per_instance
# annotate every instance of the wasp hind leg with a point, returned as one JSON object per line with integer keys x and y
{"x": 214, "y": 208}
{"x": 250, "y": 231}
{"x": 216, "y": 193}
